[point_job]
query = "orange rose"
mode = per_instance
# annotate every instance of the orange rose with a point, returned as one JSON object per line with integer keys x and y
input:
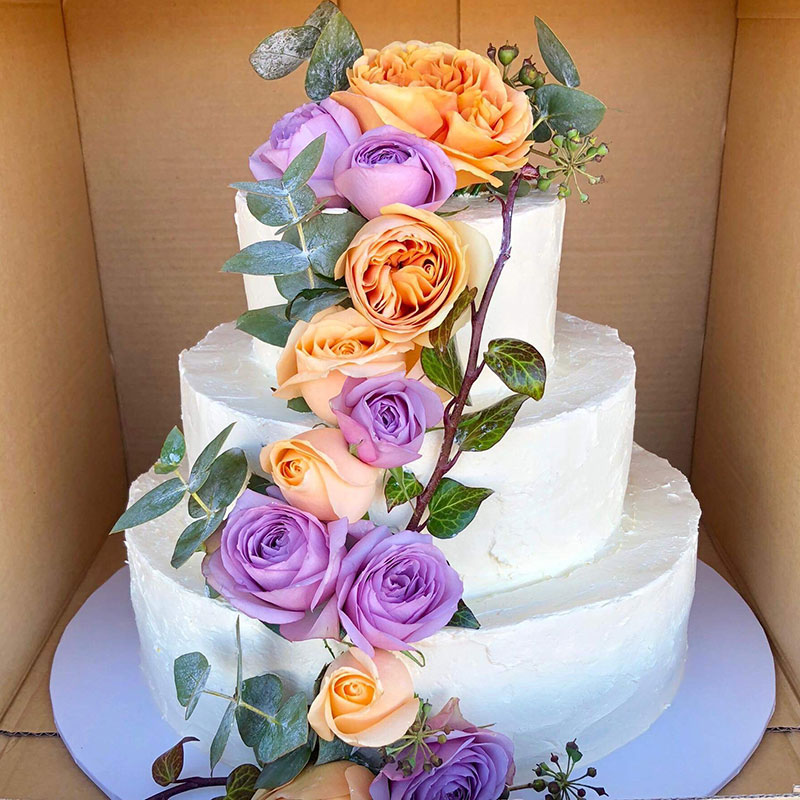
{"x": 453, "y": 97}
{"x": 339, "y": 780}
{"x": 336, "y": 343}
{"x": 366, "y": 702}
{"x": 316, "y": 473}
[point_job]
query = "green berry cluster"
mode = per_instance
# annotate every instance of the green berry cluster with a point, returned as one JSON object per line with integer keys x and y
{"x": 527, "y": 77}
{"x": 570, "y": 155}
{"x": 559, "y": 782}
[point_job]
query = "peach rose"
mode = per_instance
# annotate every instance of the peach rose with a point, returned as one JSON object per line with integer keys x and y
{"x": 366, "y": 702}
{"x": 453, "y": 97}
{"x": 337, "y": 343}
{"x": 339, "y": 780}
{"x": 316, "y": 473}
{"x": 407, "y": 267}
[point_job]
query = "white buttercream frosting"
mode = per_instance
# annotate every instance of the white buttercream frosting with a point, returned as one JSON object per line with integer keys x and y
{"x": 596, "y": 653}
{"x": 558, "y": 477}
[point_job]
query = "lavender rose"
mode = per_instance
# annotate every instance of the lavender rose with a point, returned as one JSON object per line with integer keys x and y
{"x": 385, "y": 418}
{"x": 472, "y": 764}
{"x": 293, "y": 131}
{"x": 279, "y": 564}
{"x": 387, "y": 165}
{"x": 395, "y": 589}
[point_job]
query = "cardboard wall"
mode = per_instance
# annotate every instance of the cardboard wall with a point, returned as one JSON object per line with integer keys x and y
{"x": 746, "y": 465}
{"x": 61, "y": 467}
{"x": 169, "y": 110}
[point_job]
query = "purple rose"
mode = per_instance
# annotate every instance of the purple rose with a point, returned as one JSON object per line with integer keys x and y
{"x": 279, "y": 564}
{"x": 385, "y": 418}
{"x": 395, "y": 589}
{"x": 387, "y": 165}
{"x": 292, "y": 132}
{"x": 476, "y": 764}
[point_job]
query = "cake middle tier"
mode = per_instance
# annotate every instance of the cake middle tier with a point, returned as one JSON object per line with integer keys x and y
{"x": 558, "y": 476}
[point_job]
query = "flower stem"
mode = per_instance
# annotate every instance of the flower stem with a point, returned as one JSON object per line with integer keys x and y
{"x": 188, "y": 785}
{"x": 455, "y": 408}
{"x": 196, "y": 496}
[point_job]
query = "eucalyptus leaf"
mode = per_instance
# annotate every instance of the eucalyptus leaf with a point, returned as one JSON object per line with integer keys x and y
{"x": 518, "y": 364}
{"x": 336, "y": 49}
{"x": 291, "y": 285}
{"x": 275, "y": 211}
{"x": 172, "y": 453}
{"x": 401, "y": 487}
{"x": 258, "y": 483}
{"x": 302, "y": 166}
{"x": 191, "y": 671}
{"x": 308, "y": 302}
{"x": 464, "y": 618}
{"x": 284, "y": 51}
{"x": 265, "y": 693}
{"x": 202, "y": 464}
{"x": 443, "y": 369}
{"x": 226, "y": 479}
{"x": 298, "y": 404}
{"x": 321, "y": 14}
{"x": 156, "y": 502}
{"x": 485, "y": 428}
{"x": 284, "y": 769}
{"x": 271, "y": 187}
{"x": 239, "y": 670}
{"x": 267, "y": 324}
{"x": 337, "y": 750}
{"x": 452, "y": 507}
{"x": 440, "y": 336}
{"x": 556, "y": 56}
{"x": 220, "y": 740}
{"x": 541, "y": 133}
{"x": 168, "y": 766}
{"x": 290, "y": 732}
{"x": 327, "y": 237}
{"x": 566, "y": 108}
{"x": 273, "y": 257}
{"x": 193, "y": 536}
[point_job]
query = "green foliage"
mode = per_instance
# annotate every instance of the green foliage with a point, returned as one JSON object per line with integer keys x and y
{"x": 172, "y": 453}
{"x": 284, "y": 51}
{"x": 156, "y": 502}
{"x": 284, "y": 769}
{"x": 267, "y": 324}
{"x": 290, "y": 732}
{"x": 443, "y": 369}
{"x": 193, "y": 536}
{"x": 270, "y": 204}
{"x": 191, "y": 672}
{"x": 265, "y": 693}
{"x": 241, "y": 782}
{"x": 168, "y": 766}
{"x": 308, "y": 302}
{"x": 336, "y": 49}
{"x": 302, "y": 166}
{"x": 485, "y": 428}
{"x": 441, "y": 336}
{"x": 556, "y": 56}
{"x": 464, "y": 618}
{"x": 273, "y": 257}
{"x": 401, "y": 487}
{"x": 298, "y": 404}
{"x": 336, "y": 750}
{"x": 220, "y": 740}
{"x": 202, "y": 465}
{"x": 258, "y": 483}
{"x": 452, "y": 507}
{"x": 519, "y": 365}
{"x": 291, "y": 285}
{"x": 327, "y": 236}
{"x": 565, "y": 108}
{"x": 225, "y": 480}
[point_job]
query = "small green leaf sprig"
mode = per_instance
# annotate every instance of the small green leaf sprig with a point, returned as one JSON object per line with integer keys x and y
{"x": 559, "y": 782}
{"x": 215, "y": 481}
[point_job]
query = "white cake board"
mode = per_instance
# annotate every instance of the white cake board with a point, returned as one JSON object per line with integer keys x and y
{"x": 110, "y": 724}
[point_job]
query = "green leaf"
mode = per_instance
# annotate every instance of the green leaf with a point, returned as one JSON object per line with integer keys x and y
{"x": 241, "y": 782}
{"x": 168, "y": 766}
{"x": 238, "y": 658}
{"x": 401, "y": 486}
{"x": 573, "y": 752}
{"x": 298, "y": 404}
{"x": 220, "y": 740}
{"x": 284, "y": 769}
{"x": 320, "y": 16}
{"x": 443, "y": 369}
{"x": 273, "y": 257}
{"x": 452, "y": 507}
{"x": 519, "y": 365}
{"x": 442, "y": 335}
{"x": 291, "y": 285}
{"x": 337, "y": 750}
{"x": 274, "y": 210}
{"x": 464, "y": 618}
{"x": 267, "y": 324}
{"x": 485, "y": 428}
{"x": 202, "y": 464}
{"x": 308, "y": 302}
{"x": 302, "y": 166}
{"x": 172, "y": 452}
{"x": 258, "y": 483}
{"x": 156, "y": 502}
{"x": 225, "y": 480}
{"x": 265, "y": 693}
{"x": 566, "y": 108}
{"x": 290, "y": 732}
{"x": 284, "y": 51}
{"x": 193, "y": 536}
{"x": 191, "y": 671}
{"x": 556, "y": 56}
{"x": 336, "y": 49}
{"x": 210, "y": 591}
{"x": 327, "y": 237}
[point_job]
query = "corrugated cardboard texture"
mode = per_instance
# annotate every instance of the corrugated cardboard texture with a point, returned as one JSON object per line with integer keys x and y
{"x": 61, "y": 469}
{"x": 169, "y": 110}
{"x": 746, "y": 464}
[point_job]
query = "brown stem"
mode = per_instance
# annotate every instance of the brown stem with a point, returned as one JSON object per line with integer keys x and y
{"x": 187, "y": 785}
{"x": 455, "y": 408}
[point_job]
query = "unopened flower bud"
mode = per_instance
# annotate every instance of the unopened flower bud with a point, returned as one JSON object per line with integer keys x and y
{"x": 543, "y": 185}
{"x": 592, "y": 772}
{"x": 442, "y": 738}
{"x": 553, "y": 787}
{"x": 554, "y": 758}
{"x": 491, "y": 51}
{"x": 573, "y": 145}
{"x": 584, "y": 197}
{"x": 591, "y": 152}
{"x": 539, "y": 82}
{"x": 528, "y": 74}
{"x": 538, "y": 771}
{"x": 558, "y": 140}
{"x": 507, "y": 53}
{"x": 572, "y": 133}
{"x": 436, "y": 761}
{"x": 538, "y": 785}
{"x": 549, "y": 797}
{"x": 581, "y": 792}
{"x": 602, "y": 149}
{"x": 427, "y": 767}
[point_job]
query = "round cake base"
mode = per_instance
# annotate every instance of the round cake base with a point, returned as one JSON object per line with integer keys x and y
{"x": 111, "y": 726}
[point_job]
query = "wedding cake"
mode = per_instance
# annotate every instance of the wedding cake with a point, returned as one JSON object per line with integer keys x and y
{"x": 576, "y": 575}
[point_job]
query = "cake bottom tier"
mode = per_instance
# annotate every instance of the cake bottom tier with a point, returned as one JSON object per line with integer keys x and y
{"x": 595, "y": 654}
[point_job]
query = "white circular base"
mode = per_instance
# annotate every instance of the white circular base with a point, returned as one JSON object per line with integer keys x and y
{"x": 111, "y": 727}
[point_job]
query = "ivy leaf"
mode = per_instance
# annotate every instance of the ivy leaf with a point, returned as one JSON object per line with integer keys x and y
{"x": 336, "y": 49}
{"x": 464, "y": 618}
{"x": 193, "y": 536}
{"x": 308, "y": 302}
{"x": 290, "y": 732}
{"x": 302, "y": 166}
{"x": 566, "y": 108}
{"x": 298, "y": 404}
{"x": 265, "y": 693}
{"x": 225, "y": 480}
{"x": 519, "y": 365}
{"x": 443, "y": 369}
{"x": 327, "y": 237}
{"x": 284, "y": 51}
{"x": 284, "y": 769}
{"x": 452, "y": 507}
{"x": 274, "y": 209}
{"x": 168, "y": 766}
{"x": 172, "y": 452}
{"x": 337, "y": 750}
{"x": 485, "y": 428}
{"x": 556, "y": 56}
{"x": 291, "y": 285}
{"x": 442, "y": 335}
{"x": 401, "y": 487}
{"x": 220, "y": 740}
{"x": 241, "y": 782}
{"x": 320, "y": 16}
{"x": 191, "y": 671}
{"x": 267, "y": 324}
{"x": 156, "y": 502}
{"x": 273, "y": 257}
{"x": 202, "y": 464}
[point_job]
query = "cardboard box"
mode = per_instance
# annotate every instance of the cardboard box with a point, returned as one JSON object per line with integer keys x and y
{"x": 121, "y": 125}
